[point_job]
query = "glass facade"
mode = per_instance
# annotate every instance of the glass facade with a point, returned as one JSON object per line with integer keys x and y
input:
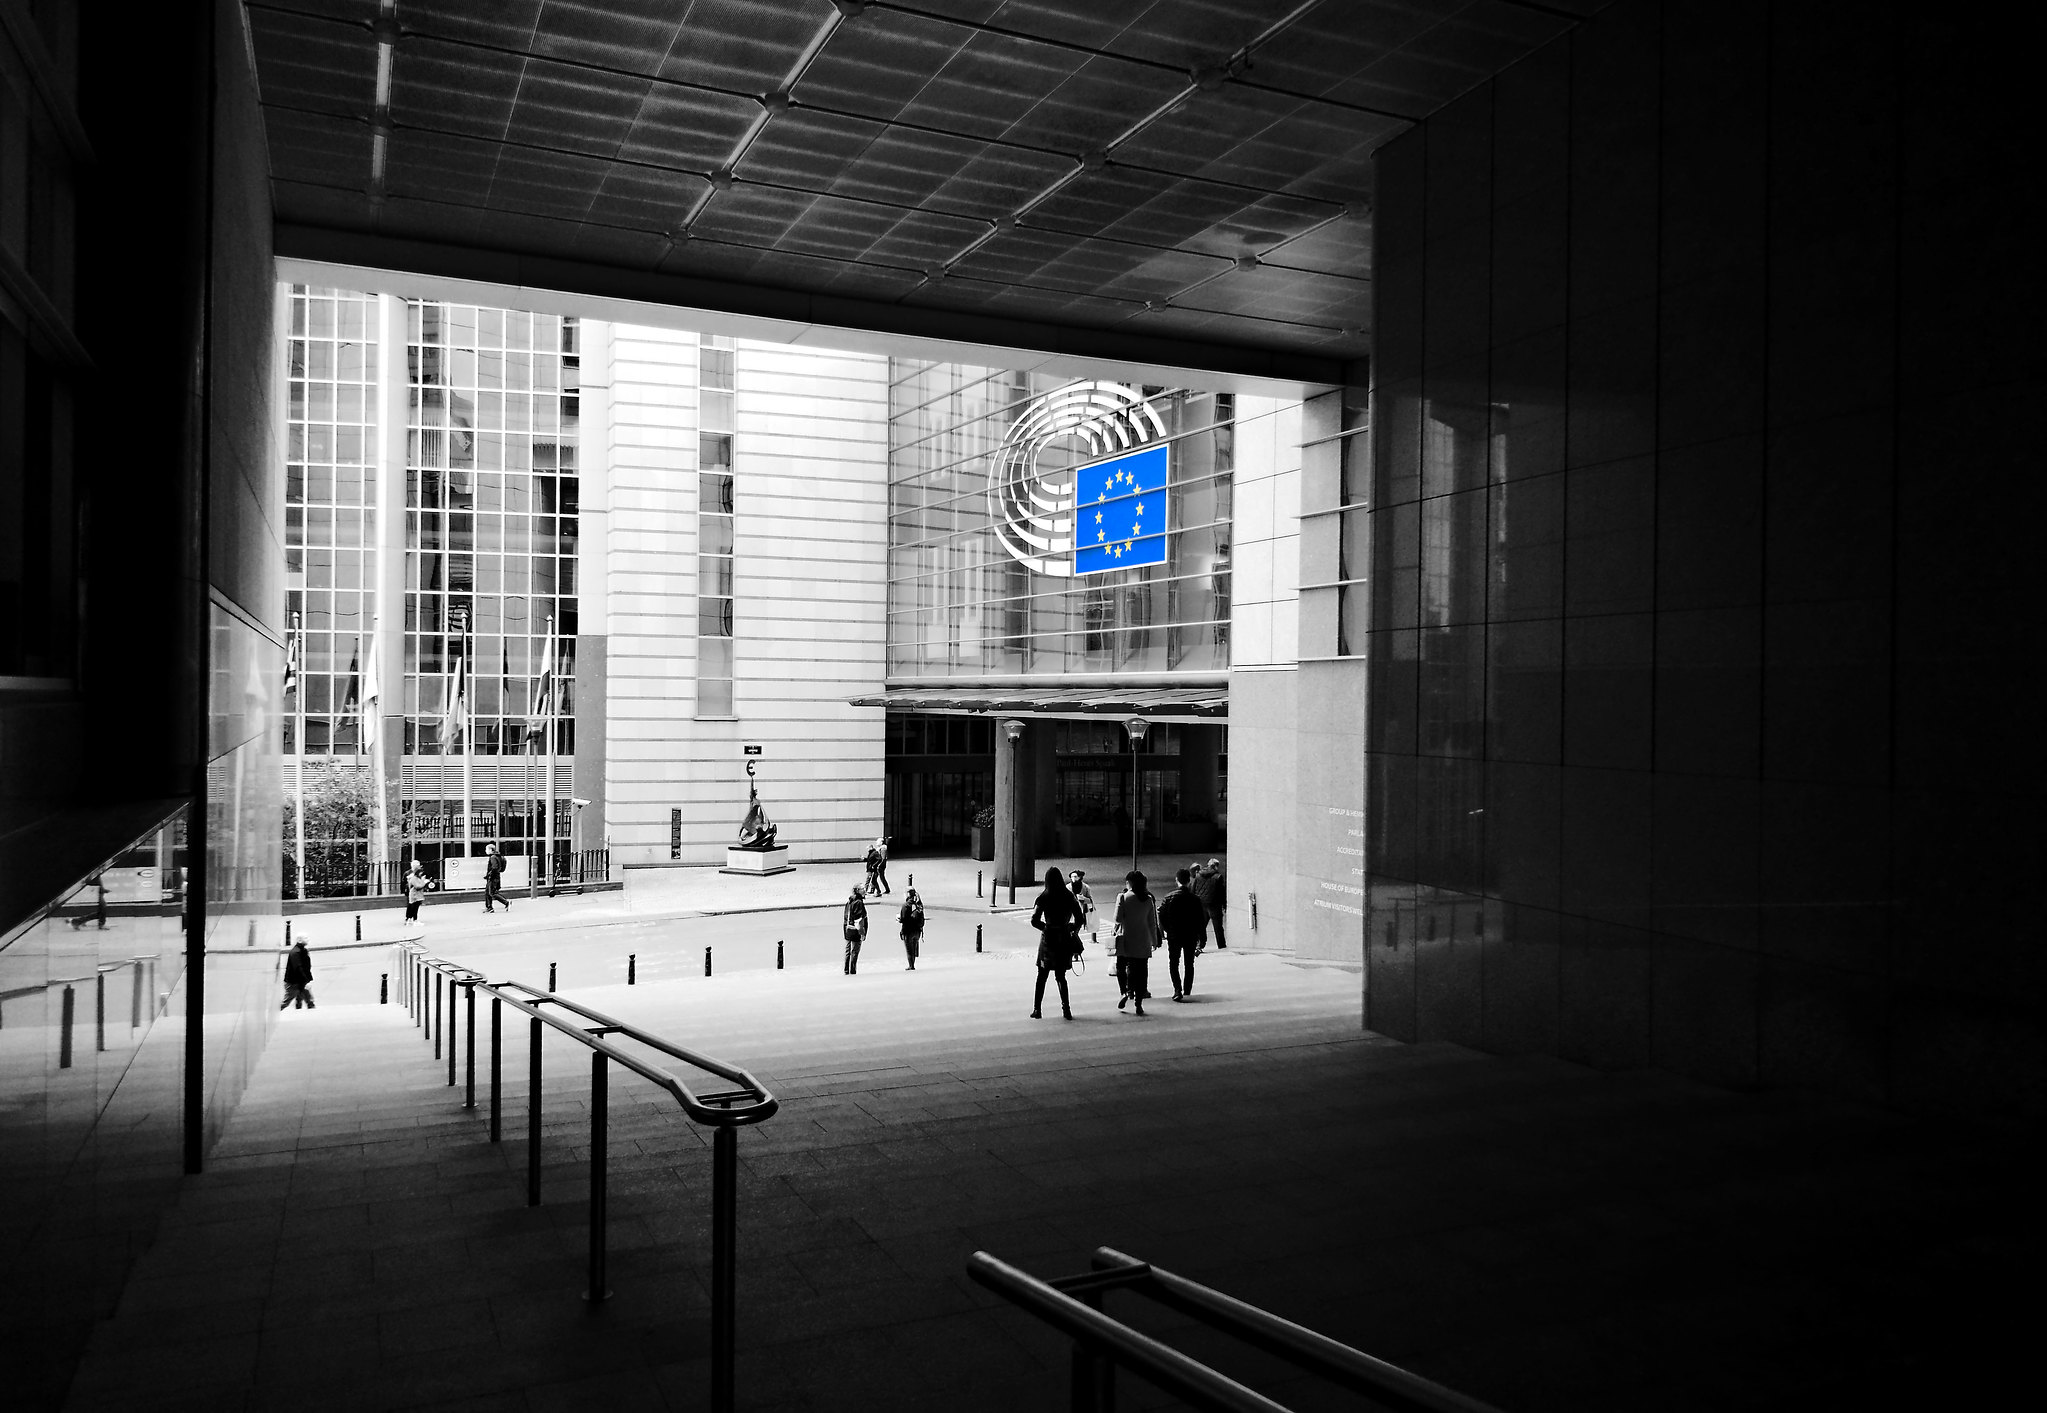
{"x": 330, "y": 517}
{"x": 487, "y": 539}
{"x": 961, "y": 605}
{"x": 491, "y": 512}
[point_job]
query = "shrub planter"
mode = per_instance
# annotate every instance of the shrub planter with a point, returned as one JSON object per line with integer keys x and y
{"x": 980, "y": 842}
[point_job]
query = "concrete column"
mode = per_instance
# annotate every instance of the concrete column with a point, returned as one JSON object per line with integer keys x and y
{"x": 1015, "y": 804}
{"x": 1200, "y": 744}
{"x": 1045, "y": 765}
{"x": 394, "y": 399}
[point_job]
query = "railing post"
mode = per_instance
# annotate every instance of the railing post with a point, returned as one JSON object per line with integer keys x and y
{"x": 1093, "y": 1375}
{"x": 100, "y": 1010}
{"x": 497, "y": 1067}
{"x": 439, "y": 1024}
{"x": 533, "y": 1117}
{"x": 724, "y": 1265}
{"x": 599, "y": 1114}
{"x": 454, "y": 1020}
{"x": 469, "y": 1043}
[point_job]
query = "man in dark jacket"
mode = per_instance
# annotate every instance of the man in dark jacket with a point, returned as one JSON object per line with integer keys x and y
{"x": 494, "y": 879}
{"x": 1186, "y": 925}
{"x": 1208, "y": 887}
{"x": 298, "y": 978}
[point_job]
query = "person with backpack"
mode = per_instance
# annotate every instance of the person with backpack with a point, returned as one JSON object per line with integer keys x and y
{"x": 1137, "y": 937}
{"x": 855, "y": 928}
{"x": 881, "y": 862}
{"x": 1057, "y": 917}
{"x": 872, "y": 887}
{"x": 1185, "y": 923}
{"x": 1208, "y": 887}
{"x": 911, "y": 920}
{"x": 494, "y": 878}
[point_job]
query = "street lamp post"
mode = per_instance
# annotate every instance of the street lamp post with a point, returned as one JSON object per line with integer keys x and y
{"x": 1136, "y": 726}
{"x": 1012, "y": 731}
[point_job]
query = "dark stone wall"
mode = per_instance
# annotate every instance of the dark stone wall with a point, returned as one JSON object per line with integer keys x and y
{"x": 1702, "y": 528}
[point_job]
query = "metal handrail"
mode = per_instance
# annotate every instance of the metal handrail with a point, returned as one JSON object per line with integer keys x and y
{"x": 726, "y": 1112}
{"x": 1073, "y": 1305}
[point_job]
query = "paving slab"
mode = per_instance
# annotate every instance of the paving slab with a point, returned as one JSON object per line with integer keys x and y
{"x": 1538, "y": 1233}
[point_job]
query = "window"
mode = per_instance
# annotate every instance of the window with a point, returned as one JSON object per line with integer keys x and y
{"x": 714, "y": 527}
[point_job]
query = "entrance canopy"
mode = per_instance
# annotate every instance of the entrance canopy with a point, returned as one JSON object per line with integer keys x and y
{"x": 1155, "y": 703}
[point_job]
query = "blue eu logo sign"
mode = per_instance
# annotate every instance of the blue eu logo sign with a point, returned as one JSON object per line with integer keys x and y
{"x": 1119, "y": 512}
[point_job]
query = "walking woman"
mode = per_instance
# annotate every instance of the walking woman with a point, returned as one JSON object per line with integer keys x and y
{"x": 856, "y": 929}
{"x": 911, "y": 920}
{"x": 1137, "y": 937}
{"x": 416, "y": 884}
{"x": 1086, "y": 899}
{"x": 1057, "y": 917}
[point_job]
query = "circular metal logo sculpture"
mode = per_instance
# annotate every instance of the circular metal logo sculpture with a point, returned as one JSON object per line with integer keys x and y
{"x": 1031, "y": 507}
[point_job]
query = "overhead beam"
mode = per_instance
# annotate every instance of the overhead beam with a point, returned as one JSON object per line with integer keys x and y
{"x": 551, "y": 284}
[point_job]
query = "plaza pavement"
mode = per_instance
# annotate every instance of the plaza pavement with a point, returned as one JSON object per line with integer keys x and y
{"x": 1528, "y": 1230}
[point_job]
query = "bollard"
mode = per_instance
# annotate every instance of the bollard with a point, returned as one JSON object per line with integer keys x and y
{"x": 632, "y": 968}
{"x": 977, "y": 883}
{"x": 977, "y": 937}
{"x": 550, "y": 976}
{"x": 1012, "y": 891}
{"x": 358, "y": 927}
{"x": 778, "y": 956}
{"x": 707, "y": 961}
{"x": 384, "y": 988}
{"x": 287, "y": 932}
{"x": 992, "y": 886}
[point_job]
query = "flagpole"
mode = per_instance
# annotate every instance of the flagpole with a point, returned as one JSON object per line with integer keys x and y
{"x": 554, "y": 672}
{"x": 468, "y": 737}
{"x": 298, "y": 710}
{"x": 379, "y": 854}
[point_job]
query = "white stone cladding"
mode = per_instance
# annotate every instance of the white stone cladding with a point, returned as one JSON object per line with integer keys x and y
{"x": 810, "y": 472}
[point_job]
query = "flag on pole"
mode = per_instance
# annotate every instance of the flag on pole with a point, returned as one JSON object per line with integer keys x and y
{"x": 453, "y": 719}
{"x": 543, "y": 689}
{"x": 350, "y": 703}
{"x": 291, "y": 662}
{"x": 371, "y": 708}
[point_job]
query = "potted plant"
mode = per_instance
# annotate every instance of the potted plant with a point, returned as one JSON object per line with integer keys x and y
{"x": 981, "y": 834}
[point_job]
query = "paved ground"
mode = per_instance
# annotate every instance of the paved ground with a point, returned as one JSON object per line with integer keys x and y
{"x": 1538, "y": 1234}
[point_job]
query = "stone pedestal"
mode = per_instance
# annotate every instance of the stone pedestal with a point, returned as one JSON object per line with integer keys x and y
{"x": 758, "y": 862}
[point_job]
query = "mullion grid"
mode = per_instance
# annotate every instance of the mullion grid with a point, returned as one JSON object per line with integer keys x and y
{"x": 492, "y": 520}
{"x": 959, "y": 605}
{"x": 331, "y": 525}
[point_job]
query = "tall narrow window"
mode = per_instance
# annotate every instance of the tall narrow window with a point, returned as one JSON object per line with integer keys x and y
{"x": 714, "y": 527}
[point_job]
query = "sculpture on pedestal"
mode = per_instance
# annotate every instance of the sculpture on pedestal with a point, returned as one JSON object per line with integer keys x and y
{"x": 757, "y": 832}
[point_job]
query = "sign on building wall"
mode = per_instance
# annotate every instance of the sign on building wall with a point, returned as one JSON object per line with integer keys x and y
{"x": 1120, "y": 512}
{"x": 1043, "y": 510}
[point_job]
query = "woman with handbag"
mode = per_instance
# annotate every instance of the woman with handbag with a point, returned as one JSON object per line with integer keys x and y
{"x": 1057, "y": 917}
{"x": 855, "y": 929}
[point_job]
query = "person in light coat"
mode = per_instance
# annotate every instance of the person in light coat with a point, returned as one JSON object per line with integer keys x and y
{"x": 1137, "y": 937}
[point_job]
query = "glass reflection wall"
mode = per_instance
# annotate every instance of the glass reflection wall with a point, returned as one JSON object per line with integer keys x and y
{"x": 960, "y": 606}
{"x": 492, "y": 499}
{"x": 330, "y": 517}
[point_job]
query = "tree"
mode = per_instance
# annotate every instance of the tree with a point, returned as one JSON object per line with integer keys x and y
{"x": 341, "y": 811}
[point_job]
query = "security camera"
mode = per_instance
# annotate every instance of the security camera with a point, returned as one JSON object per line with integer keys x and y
{"x": 579, "y": 803}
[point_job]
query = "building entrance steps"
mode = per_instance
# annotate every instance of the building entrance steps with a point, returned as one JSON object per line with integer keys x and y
{"x": 1529, "y": 1231}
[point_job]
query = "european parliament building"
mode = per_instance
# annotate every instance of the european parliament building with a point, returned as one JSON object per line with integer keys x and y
{"x": 595, "y": 561}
